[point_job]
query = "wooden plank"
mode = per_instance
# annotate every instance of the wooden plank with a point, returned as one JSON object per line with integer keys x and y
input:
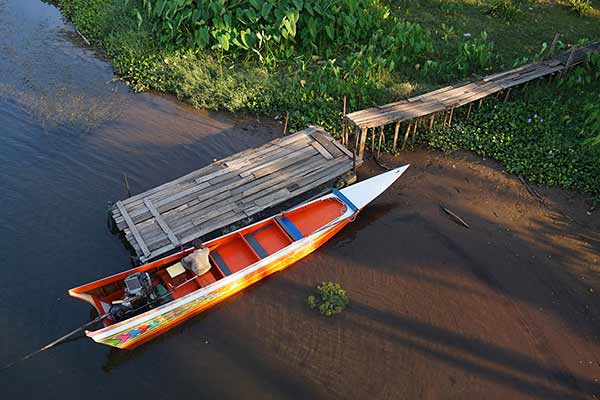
{"x": 327, "y": 155}
{"x": 161, "y": 222}
{"x": 279, "y": 162}
{"x": 343, "y": 149}
{"x": 363, "y": 142}
{"x": 272, "y": 198}
{"x": 325, "y": 141}
{"x": 133, "y": 229}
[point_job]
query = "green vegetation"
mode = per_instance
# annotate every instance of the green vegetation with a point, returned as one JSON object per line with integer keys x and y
{"x": 330, "y": 299}
{"x": 581, "y": 7}
{"x": 303, "y": 56}
{"x": 546, "y": 134}
{"x": 507, "y": 9}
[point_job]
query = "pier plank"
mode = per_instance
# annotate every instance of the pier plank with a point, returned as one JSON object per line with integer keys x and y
{"x": 161, "y": 222}
{"x": 133, "y": 229}
{"x": 454, "y": 96}
{"x": 325, "y": 141}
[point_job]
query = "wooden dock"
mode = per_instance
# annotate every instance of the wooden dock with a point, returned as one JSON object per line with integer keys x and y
{"x": 446, "y": 99}
{"x": 228, "y": 191}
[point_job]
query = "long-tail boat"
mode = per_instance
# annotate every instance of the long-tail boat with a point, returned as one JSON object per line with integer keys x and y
{"x": 139, "y": 304}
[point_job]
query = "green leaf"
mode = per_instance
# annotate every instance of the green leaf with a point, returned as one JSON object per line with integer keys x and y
{"x": 257, "y": 4}
{"x": 312, "y": 27}
{"x": 329, "y": 31}
{"x": 266, "y": 9}
{"x": 202, "y": 37}
{"x": 223, "y": 40}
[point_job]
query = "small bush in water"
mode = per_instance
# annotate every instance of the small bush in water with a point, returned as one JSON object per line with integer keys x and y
{"x": 330, "y": 299}
{"x": 507, "y": 9}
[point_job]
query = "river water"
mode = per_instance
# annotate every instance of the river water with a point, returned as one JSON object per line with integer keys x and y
{"x": 68, "y": 133}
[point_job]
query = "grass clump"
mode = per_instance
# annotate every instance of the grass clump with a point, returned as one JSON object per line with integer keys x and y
{"x": 506, "y": 9}
{"x": 331, "y": 299}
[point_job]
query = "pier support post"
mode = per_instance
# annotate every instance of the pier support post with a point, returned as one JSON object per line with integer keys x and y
{"x": 414, "y": 134}
{"x": 381, "y": 138}
{"x": 363, "y": 142}
{"x": 554, "y": 43}
{"x": 344, "y": 125}
{"x": 373, "y": 140}
{"x": 406, "y": 135}
{"x": 285, "y": 127}
{"x": 396, "y": 129}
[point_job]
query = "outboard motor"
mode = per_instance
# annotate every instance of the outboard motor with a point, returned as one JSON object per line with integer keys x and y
{"x": 138, "y": 284}
{"x": 139, "y": 297}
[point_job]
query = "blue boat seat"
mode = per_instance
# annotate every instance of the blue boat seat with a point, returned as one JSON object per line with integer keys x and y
{"x": 258, "y": 249}
{"x": 289, "y": 228}
{"x": 220, "y": 262}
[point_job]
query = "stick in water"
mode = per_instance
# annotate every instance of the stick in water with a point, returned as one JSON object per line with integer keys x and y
{"x": 55, "y": 342}
{"x": 457, "y": 219}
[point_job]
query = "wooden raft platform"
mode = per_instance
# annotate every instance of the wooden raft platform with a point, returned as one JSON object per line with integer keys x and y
{"x": 451, "y": 97}
{"x": 229, "y": 190}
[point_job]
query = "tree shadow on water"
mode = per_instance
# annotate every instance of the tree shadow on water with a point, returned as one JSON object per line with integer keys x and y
{"x": 486, "y": 360}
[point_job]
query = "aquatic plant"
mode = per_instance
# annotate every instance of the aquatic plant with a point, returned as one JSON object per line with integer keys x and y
{"x": 277, "y": 30}
{"x": 507, "y": 9}
{"x": 331, "y": 299}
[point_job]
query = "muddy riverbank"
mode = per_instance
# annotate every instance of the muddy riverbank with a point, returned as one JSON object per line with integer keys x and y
{"x": 505, "y": 309}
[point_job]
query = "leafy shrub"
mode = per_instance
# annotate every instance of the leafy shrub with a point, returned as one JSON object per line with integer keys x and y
{"x": 476, "y": 54}
{"x": 275, "y": 30}
{"x": 592, "y": 123}
{"x": 585, "y": 74}
{"x": 581, "y": 7}
{"x": 506, "y": 9}
{"x": 331, "y": 299}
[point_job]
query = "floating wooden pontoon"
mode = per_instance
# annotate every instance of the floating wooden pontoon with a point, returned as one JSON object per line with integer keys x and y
{"x": 230, "y": 190}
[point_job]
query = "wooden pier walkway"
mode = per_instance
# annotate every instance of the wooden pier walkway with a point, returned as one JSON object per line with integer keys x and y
{"x": 230, "y": 190}
{"x": 448, "y": 98}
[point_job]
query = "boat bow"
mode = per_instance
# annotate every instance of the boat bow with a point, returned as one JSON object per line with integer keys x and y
{"x": 362, "y": 193}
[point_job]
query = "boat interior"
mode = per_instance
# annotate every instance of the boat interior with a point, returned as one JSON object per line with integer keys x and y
{"x": 228, "y": 255}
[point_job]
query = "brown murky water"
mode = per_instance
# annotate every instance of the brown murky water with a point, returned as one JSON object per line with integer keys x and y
{"x": 506, "y": 309}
